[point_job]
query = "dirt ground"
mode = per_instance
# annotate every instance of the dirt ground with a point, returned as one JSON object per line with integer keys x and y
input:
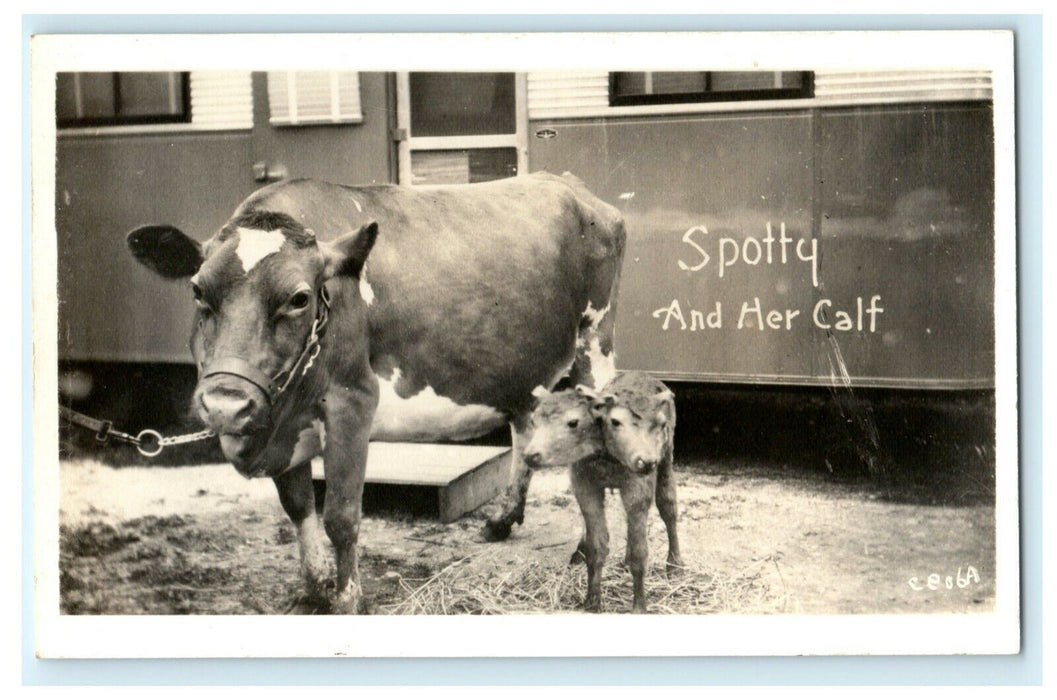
{"x": 204, "y": 540}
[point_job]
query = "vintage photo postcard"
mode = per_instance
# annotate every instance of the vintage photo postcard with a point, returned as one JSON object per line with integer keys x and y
{"x": 399, "y": 345}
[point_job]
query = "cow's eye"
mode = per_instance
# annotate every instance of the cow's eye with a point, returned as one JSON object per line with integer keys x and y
{"x": 300, "y": 300}
{"x": 615, "y": 423}
{"x": 573, "y": 423}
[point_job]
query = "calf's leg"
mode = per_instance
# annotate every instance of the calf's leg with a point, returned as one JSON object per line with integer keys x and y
{"x": 297, "y": 496}
{"x": 591, "y": 498}
{"x": 637, "y": 494}
{"x": 669, "y": 509}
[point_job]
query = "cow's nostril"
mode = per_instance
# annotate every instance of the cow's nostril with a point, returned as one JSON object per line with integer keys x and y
{"x": 227, "y": 408}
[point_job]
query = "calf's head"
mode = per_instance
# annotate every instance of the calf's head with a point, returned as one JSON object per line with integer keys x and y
{"x": 638, "y": 428}
{"x": 564, "y": 429}
{"x": 258, "y": 289}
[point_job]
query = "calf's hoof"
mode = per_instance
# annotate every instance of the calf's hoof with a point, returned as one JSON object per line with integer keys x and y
{"x": 346, "y": 603}
{"x": 578, "y": 557}
{"x": 309, "y": 605}
{"x": 638, "y": 608}
{"x": 497, "y": 529}
{"x": 593, "y": 603}
{"x": 675, "y": 565}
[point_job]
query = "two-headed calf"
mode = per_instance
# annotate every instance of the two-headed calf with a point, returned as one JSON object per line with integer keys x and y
{"x": 622, "y": 438}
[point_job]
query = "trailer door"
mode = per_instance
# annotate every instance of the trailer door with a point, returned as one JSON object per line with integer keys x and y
{"x": 456, "y": 128}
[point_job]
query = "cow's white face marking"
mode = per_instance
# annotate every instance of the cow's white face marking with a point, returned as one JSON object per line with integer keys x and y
{"x": 255, "y": 245}
{"x": 428, "y": 416}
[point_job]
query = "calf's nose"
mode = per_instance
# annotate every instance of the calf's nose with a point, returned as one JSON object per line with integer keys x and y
{"x": 533, "y": 460}
{"x": 227, "y": 409}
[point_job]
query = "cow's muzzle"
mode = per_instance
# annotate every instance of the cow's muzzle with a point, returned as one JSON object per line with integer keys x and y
{"x": 237, "y": 411}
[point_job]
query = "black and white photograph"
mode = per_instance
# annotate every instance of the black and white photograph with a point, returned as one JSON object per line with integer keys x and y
{"x": 704, "y": 336}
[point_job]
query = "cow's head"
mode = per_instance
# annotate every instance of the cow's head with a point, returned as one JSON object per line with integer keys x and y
{"x": 637, "y": 428}
{"x": 564, "y": 429}
{"x": 258, "y": 286}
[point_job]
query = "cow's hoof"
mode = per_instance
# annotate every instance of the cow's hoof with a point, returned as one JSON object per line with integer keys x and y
{"x": 577, "y": 557}
{"x": 675, "y": 566}
{"x": 593, "y": 603}
{"x": 496, "y": 529}
{"x": 638, "y": 609}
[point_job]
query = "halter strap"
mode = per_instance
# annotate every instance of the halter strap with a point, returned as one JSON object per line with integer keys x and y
{"x": 273, "y": 387}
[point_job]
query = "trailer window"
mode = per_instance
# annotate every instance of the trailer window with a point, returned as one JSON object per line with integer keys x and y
{"x": 115, "y": 99}
{"x": 462, "y": 104}
{"x": 658, "y": 87}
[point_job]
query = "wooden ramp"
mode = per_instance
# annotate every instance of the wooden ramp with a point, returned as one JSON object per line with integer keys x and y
{"x": 462, "y": 477}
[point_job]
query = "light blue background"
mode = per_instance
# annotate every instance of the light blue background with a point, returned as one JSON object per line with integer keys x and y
{"x": 1024, "y": 669}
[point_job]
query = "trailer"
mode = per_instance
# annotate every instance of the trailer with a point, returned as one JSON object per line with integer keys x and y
{"x": 794, "y": 228}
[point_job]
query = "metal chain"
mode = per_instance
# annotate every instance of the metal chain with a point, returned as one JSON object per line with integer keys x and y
{"x": 147, "y": 438}
{"x": 150, "y": 443}
{"x": 190, "y": 437}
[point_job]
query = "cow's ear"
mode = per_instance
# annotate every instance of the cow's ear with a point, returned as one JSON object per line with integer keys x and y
{"x": 166, "y": 250}
{"x": 346, "y": 255}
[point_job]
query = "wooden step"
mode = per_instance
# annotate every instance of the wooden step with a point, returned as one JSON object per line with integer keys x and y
{"x": 464, "y": 477}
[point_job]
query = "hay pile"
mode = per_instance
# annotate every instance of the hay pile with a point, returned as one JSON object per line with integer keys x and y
{"x": 483, "y": 584}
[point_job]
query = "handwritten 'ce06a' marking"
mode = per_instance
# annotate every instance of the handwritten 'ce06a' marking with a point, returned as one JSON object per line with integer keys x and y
{"x": 935, "y": 582}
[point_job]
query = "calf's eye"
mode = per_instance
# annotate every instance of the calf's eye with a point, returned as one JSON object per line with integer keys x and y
{"x": 615, "y": 423}
{"x": 196, "y": 291}
{"x": 300, "y": 300}
{"x": 573, "y": 423}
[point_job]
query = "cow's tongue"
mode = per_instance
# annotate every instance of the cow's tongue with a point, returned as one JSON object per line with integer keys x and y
{"x": 235, "y": 447}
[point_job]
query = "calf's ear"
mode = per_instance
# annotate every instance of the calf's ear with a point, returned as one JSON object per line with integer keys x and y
{"x": 166, "y": 250}
{"x": 346, "y": 255}
{"x": 587, "y": 392}
{"x": 600, "y": 405}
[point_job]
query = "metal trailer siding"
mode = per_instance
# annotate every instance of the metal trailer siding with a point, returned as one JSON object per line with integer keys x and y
{"x": 898, "y": 198}
{"x": 113, "y": 309}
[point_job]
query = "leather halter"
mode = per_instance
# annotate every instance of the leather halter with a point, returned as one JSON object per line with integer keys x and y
{"x": 273, "y": 387}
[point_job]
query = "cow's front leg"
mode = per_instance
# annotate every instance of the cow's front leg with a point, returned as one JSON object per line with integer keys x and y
{"x": 297, "y": 496}
{"x": 513, "y": 508}
{"x": 348, "y": 422}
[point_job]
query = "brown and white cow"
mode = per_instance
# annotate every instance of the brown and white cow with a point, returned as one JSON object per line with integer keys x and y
{"x": 311, "y": 334}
